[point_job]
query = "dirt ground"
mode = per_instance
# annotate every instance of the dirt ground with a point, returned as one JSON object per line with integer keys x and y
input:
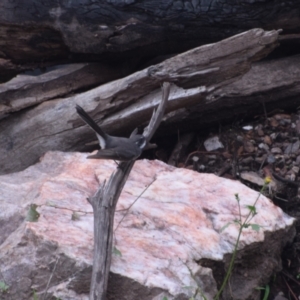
{"x": 268, "y": 145}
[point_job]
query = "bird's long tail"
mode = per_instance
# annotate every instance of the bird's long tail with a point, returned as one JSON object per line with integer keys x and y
{"x": 88, "y": 120}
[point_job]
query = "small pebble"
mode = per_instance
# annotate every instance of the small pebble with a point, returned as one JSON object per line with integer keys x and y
{"x": 288, "y": 149}
{"x": 292, "y": 177}
{"x": 239, "y": 138}
{"x": 247, "y": 160}
{"x": 276, "y": 150}
{"x": 226, "y": 155}
{"x": 260, "y": 159}
{"x": 267, "y": 140}
{"x": 260, "y": 132}
{"x": 283, "y": 135}
{"x": 273, "y": 135}
{"x": 248, "y": 127}
{"x": 213, "y": 143}
{"x": 263, "y": 146}
{"x": 284, "y": 121}
{"x": 273, "y": 122}
{"x": 282, "y": 117}
{"x": 259, "y": 126}
{"x": 280, "y": 296}
{"x": 295, "y": 146}
{"x": 214, "y": 157}
{"x": 248, "y": 146}
{"x": 271, "y": 159}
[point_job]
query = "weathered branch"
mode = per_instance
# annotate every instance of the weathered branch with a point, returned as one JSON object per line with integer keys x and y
{"x": 27, "y": 90}
{"x": 124, "y": 104}
{"x": 158, "y": 115}
{"x": 104, "y": 204}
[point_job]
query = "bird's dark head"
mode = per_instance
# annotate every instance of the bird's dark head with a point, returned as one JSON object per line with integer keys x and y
{"x": 139, "y": 140}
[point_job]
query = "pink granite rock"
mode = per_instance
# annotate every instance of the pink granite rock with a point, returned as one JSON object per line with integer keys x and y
{"x": 168, "y": 244}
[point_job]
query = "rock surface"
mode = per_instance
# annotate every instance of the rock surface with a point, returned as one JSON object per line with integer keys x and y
{"x": 173, "y": 230}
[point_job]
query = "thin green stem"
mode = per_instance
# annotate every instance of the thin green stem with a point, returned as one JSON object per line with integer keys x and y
{"x": 248, "y": 218}
{"x": 228, "y": 273}
{"x": 239, "y": 206}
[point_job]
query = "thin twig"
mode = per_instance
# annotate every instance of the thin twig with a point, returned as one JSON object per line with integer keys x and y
{"x": 290, "y": 277}
{"x": 158, "y": 115}
{"x": 50, "y": 278}
{"x": 291, "y": 291}
{"x": 104, "y": 204}
{"x": 128, "y": 208}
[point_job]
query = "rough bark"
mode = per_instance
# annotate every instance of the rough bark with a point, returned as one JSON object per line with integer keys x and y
{"x": 39, "y": 32}
{"x": 54, "y": 125}
{"x": 267, "y": 86}
{"x": 29, "y": 89}
{"x": 104, "y": 204}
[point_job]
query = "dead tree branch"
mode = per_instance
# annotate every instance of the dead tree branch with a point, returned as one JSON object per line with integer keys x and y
{"x": 104, "y": 204}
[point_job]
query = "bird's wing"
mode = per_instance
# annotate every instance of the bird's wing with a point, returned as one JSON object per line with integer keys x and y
{"x": 115, "y": 154}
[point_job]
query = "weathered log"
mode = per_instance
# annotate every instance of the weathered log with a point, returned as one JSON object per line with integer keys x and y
{"x": 54, "y": 125}
{"x": 25, "y": 90}
{"x": 27, "y": 135}
{"x": 267, "y": 86}
{"x": 38, "y": 32}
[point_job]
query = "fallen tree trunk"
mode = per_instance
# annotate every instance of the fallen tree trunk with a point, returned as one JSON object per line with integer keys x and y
{"x": 35, "y": 33}
{"x": 267, "y": 86}
{"x": 29, "y": 90}
{"x": 54, "y": 125}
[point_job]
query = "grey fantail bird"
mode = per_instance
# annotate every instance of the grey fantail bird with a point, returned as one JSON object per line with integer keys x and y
{"x": 112, "y": 147}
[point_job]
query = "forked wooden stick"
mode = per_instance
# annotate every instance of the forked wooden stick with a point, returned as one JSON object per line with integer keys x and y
{"x": 104, "y": 204}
